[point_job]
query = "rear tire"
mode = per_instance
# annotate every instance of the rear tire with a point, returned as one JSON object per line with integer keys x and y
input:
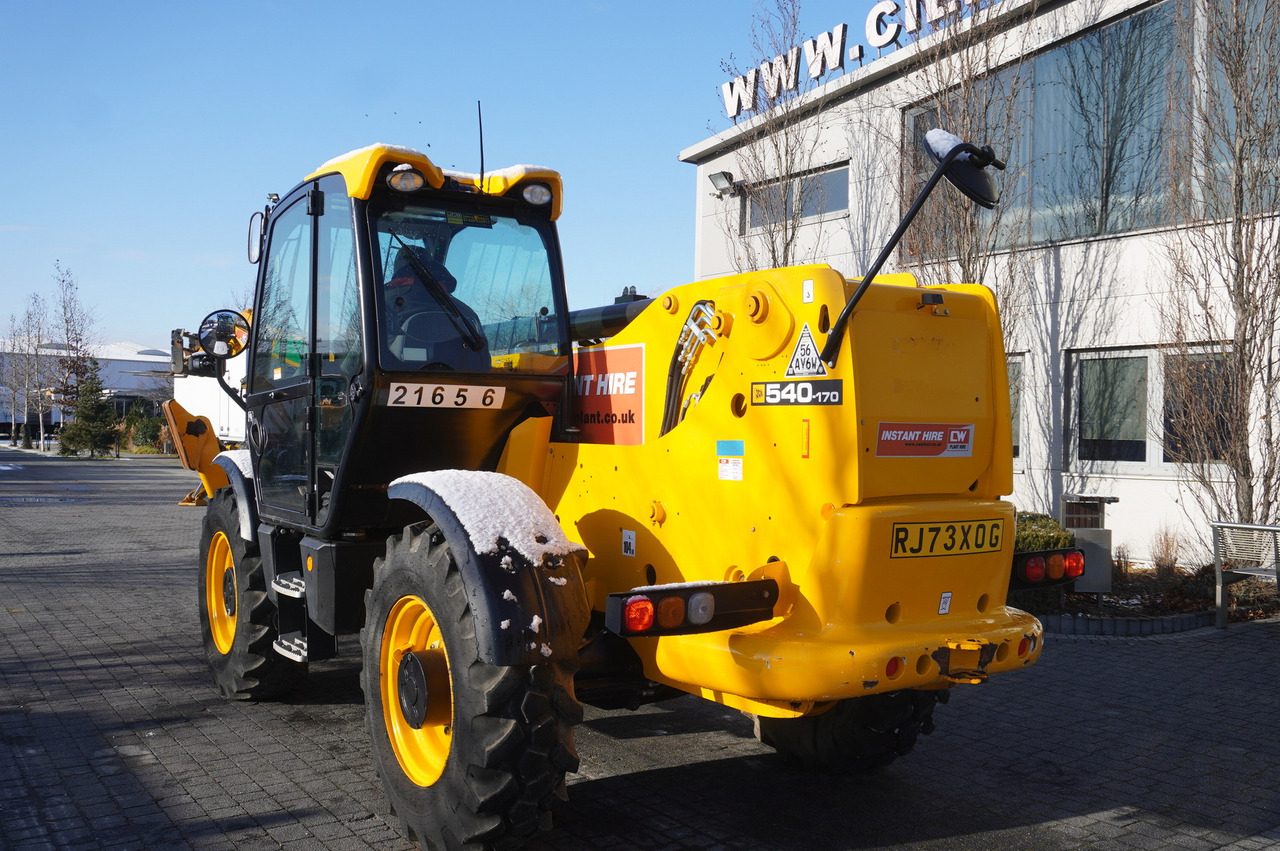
{"x": 470, "y": 754}
{"x": 858, "y": 734}
{"x": 237, "y": 619}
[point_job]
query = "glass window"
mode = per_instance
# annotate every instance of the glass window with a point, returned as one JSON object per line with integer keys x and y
{"x": 1113, "y": 409}
{"x": 281, "y": 320}
{"x": 1015, "y": 403}
{"x": 339, "y": 339}
{"x": 1092, "y": 113}
{"x": 461, "y": 287}
{"x": 818, "y": 194}
{"x": 1197, "y": 402}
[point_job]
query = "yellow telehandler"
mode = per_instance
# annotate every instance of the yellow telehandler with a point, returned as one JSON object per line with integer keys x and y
{"x": 779, "y": 491}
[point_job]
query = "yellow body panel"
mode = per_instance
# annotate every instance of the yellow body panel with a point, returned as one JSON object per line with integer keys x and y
{"x": 196, "y": 445}
{"x": 360, "y": 169}
{"x": 837, "y": 500}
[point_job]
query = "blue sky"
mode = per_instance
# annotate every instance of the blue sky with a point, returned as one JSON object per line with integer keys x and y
{"x": 137, "y": 137}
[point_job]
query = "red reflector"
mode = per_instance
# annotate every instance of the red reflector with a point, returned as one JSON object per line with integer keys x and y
{"x": 670, "y": 612}
{"x": 1033, "y": 569}
{"x": 1056, "y": 566}
{"x": 893, "y": 668}
{"x": 1023, "y": 646}
{"x": 637, "y": 614}
{"x": 1075, "y": 564}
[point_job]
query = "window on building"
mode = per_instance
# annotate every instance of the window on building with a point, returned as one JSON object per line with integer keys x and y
{"x": 1197, "y": 404}
{"x": 1113, "y": 409}
{"x": 817, "y": 193}
{"x": 1097, "y": 152}
{"x": 1084, "y": 133}
{"x": 1015, "y": 402}
{"x": 989, "y": 111}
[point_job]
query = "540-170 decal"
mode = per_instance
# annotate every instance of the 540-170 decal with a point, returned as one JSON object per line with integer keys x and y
{"x": 828, "y": 391}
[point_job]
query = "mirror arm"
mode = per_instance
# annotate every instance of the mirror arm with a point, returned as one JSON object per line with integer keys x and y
{"x": 983, "y": 157}
{"x": 226, "y": 388}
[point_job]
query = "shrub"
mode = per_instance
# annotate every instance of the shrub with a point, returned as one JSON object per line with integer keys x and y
{"x": 1166, "y": 548}
{"x": 1121, "y": 564}
{"x": 1040, "y": 532}
{"x": 147, "y": 431}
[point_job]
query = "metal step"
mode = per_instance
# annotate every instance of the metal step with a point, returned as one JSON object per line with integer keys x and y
{"x": 290, "y": 585}
{"x": 292, "y": 646}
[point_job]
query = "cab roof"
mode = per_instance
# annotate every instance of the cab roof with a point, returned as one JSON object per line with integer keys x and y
{"x": 360, "y": 169}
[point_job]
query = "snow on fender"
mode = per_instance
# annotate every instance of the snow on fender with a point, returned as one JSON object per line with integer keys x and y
{"x": 522, "y": 574}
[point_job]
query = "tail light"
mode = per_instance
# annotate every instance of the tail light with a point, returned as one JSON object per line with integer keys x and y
{"x": 1046, "y": 568}
{"x": 688, "y": 607}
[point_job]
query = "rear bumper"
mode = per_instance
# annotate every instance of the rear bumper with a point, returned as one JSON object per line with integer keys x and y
{"x": 778, "y": 664}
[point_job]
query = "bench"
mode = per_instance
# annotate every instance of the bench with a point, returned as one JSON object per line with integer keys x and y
{"x": 1242, "y": 551}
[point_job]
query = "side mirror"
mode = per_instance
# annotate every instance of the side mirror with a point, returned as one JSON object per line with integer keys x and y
{"x": 967, "y": 170}
{"x": 223, "y": 334}
{"x": 257, "y": 230}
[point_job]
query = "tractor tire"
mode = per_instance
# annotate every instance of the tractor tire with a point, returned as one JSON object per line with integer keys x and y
{"x": 237, "y": 619}
{"x": 859, "y": 734}
{"x": 470, "y": 754}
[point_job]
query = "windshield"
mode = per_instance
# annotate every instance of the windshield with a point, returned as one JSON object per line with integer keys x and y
{"x": 460, "y": 290}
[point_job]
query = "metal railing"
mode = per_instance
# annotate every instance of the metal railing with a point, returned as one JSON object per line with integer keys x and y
{"x": 1241, "y": 551}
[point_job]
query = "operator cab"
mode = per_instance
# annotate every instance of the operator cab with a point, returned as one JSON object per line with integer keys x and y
{"x": 406, "y": 319}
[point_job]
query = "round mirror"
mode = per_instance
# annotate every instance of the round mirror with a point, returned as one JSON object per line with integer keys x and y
{"x": 966, "y": 173}
{"x": 224, "y": 334}
{"x": 257, "y": 222}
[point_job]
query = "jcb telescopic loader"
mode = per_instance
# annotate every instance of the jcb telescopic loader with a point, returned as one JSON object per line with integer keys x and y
{"x": 778, "y": 490}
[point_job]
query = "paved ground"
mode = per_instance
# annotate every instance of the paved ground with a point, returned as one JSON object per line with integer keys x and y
{"x": 111, "y": 736}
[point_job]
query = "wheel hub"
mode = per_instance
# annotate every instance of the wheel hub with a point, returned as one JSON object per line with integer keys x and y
{"x": 229, "y": 591}
{"x": 413, "y": 690}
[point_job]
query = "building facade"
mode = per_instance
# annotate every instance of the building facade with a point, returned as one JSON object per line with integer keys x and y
{"x": 129, "y": 373}
{"x": 1084, "y": 99}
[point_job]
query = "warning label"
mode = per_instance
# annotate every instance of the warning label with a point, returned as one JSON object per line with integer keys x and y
{"x": 608, "y": 395}
{"x": 924, "y": 440}
{"x": 806, "y": 360}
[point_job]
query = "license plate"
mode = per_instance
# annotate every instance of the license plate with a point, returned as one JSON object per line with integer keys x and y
{"x": 946, "y": 538}
{"x": 445, "y": 396}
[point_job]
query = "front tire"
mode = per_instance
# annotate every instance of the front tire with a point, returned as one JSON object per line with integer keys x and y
{"x": 470, "y": 753}
{"x": 237, "y": 619}
{"x": 858, "y": 734}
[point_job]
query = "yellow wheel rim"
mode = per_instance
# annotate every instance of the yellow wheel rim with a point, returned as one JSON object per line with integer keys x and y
{"x": 220, "y": 593}
{"x": 417, "y": 696}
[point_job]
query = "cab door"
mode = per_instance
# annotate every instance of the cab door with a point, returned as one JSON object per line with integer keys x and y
{"x": 307, "y": 353}
{"x": 280, "y": 387}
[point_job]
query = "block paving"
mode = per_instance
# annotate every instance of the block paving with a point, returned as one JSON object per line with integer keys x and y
{"x": 111, "y": 735}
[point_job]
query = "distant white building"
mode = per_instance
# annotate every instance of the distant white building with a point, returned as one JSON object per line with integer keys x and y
{"x": 129, "y": 372}
{"x": 1089, "y": 317}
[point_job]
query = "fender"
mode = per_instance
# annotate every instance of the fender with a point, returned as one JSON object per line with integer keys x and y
{"x": 239, "y": 469}
{"x": 522, "y": 576}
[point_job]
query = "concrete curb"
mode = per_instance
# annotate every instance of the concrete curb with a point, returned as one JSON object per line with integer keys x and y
{"x": 1085, "y": 625}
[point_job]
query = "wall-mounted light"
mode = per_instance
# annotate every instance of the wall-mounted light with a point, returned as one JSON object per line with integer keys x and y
{"x": 722, "y": 181}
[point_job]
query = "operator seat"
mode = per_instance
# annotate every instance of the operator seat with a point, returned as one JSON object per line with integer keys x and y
{"x": 418, "y": 331}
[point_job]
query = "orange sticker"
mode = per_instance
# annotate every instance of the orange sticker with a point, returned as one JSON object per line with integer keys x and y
{"x": 608, "y": 394}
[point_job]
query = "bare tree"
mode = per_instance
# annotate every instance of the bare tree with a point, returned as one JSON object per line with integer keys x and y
{"x": 779, "y": 181}
{"x": 75, "y": 325}
{"x": 978, "y": 87}
{"x": 11, "y": 375}
{"x": 34, "y": 367}
{"x": 1222, "y": 379}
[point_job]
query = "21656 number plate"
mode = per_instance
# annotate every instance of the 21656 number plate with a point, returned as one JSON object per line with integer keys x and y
{"x": 445, "y": 396}
{"x": 946, "y": 538}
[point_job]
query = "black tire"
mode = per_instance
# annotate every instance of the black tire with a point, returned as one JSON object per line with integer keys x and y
{"x": 237, "y": 619}
{"x": 488, "y": 759}
{"x": 859, "y": 734}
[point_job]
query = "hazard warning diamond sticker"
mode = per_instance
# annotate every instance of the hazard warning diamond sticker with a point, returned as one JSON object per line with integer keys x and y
{"x": 806, "y": 360}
